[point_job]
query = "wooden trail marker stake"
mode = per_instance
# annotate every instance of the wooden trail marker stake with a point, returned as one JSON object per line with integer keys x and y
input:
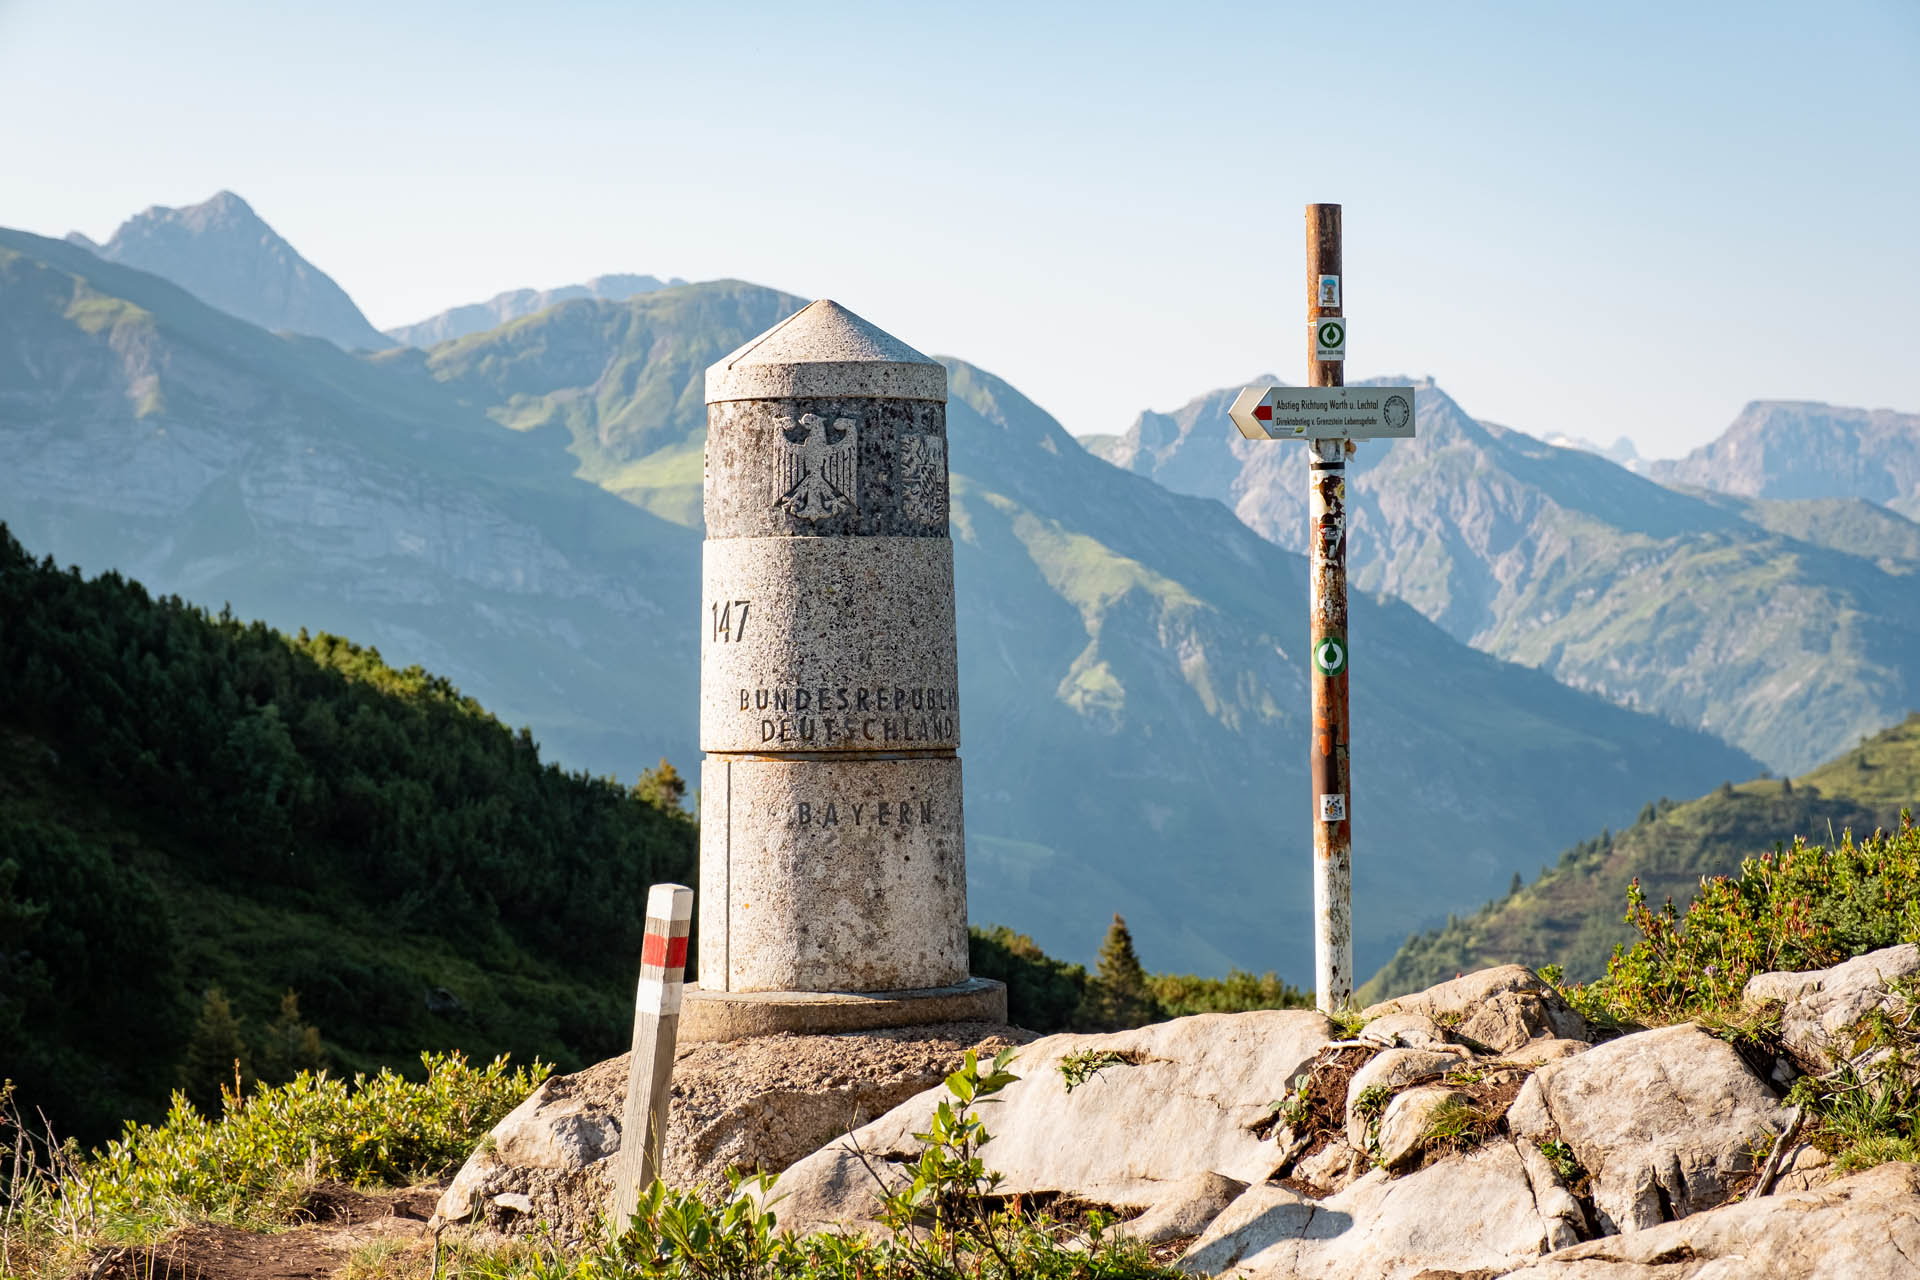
{"x": 656, "y": 1028}
{"x": 1330, "y": 416}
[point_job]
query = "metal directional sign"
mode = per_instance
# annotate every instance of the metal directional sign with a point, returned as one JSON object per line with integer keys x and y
{"x": 1324, "y": 413}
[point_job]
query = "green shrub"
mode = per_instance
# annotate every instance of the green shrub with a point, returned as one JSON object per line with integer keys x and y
{"x": 379, "y": 1129}
{"x": 1180, "y": 994}
{"x": 1807, "y": 907}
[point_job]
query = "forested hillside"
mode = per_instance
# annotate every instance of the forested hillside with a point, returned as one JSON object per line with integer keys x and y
{"x": 1573, "y": 914}
{"x": 190, "y": 801}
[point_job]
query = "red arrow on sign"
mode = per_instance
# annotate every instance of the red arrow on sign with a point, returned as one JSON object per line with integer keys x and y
{"x": 1251, "y": 408}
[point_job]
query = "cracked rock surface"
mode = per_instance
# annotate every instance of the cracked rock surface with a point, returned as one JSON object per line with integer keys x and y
{"x": 1666, "y": 1121}
{"x": 745, "y": 1104}
{"x": 1866, "y": 1227}
{"x": 1822, "y": 1003}
{"x": 1190, "y": 1096}
{"x": 1462, "y": 1215}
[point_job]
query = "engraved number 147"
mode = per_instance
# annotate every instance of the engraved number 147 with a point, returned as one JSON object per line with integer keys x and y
{"x": 729, "y": 625}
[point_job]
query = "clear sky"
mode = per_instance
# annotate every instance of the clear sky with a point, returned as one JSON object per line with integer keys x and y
{"x": 1602, "y": 219}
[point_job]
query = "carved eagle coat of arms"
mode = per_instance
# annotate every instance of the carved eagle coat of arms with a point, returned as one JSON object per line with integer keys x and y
{"x": 819, "y": 467}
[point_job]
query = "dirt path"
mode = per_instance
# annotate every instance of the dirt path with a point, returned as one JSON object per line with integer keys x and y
{"x": 340, "y": 1220}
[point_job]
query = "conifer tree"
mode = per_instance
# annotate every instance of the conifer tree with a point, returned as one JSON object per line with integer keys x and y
{"x": 292, "y": 1045}
{"x": 212, "y": 1052}
{"x": 1118, "y": 996}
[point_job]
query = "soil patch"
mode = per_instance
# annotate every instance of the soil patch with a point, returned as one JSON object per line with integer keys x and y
{"x": 335, "y": 1219}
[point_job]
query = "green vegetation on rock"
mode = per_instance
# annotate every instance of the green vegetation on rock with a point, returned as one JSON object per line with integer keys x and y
{"x": 1808, "y": 907}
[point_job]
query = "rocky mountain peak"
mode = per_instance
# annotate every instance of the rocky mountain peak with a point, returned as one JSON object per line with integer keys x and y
{"x": 224, "y": 253}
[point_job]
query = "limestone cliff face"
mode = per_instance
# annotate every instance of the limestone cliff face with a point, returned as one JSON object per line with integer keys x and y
{"x": 1801, "y": 449}
{"x": 144, "y": 432}
{"x": 1712, "y": 613}
{"x": 1130, "y": 657}
{"x": 224, "y": 254}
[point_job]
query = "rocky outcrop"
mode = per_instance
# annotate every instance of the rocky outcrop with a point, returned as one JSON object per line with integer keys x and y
{"x": 1501, "y": 1009}
{"x": 1864, "y": 1226}
{"x": 224, "y": 254}
{"x": 1271, "y": 1150}
{"x": 745, "y": 1105}
{"x": 1469, "y": 1214}
{"x": 1158, "y": 1106}
{"x": 1821, "y": 1004}
{"x": 1666, "y": 1122}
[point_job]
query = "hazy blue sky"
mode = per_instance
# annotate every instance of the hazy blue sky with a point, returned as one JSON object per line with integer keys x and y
{"x": 1600, "y": 218}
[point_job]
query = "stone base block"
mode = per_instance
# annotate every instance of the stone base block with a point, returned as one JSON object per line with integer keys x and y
{"x": 736, "y": 1015}
{"x": 831, "y": 875}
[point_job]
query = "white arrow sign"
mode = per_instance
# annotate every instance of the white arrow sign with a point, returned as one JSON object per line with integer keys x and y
{"x": 1324, "y": 413}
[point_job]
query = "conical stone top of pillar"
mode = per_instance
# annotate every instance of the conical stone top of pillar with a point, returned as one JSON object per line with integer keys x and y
{"x": 823, "y": 349}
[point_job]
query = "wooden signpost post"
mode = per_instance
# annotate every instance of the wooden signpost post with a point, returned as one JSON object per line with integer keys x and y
{"x": 1330, "y": 417}
{"x": 656, "y": 1026}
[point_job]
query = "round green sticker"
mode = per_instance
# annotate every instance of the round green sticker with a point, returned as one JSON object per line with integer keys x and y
{"x": 1333, "y": 334}
{"x": 1330, "y": 656}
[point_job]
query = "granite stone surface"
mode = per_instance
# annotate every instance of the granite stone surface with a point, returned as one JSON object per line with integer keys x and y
{"x": 828, "y": 644}
{"x": 825, "y": 350}
{"x": 826, "y": 467}
{"x": 831, "y": 875}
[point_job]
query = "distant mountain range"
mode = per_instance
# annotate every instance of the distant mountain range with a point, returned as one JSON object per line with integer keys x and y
{"x": 1795, "y": 449}
{"x": 224, "y": 254}
{"x": 1788, "y": 628}
{"x": 476, "y": 317}
{"x": 1132, "y": 658}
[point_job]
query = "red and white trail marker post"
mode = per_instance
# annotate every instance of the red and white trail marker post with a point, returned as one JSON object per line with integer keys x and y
{"x": 1330, "y": 416}
{"x": 656, "y": 1028}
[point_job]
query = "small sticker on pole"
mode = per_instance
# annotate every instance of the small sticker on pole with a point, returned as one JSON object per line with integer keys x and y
{"x": 1333, "y": 808}
{"x": 1329, "y": 293}
{"x": 1329, "y": 338}
{"x": 1330, "y": 656}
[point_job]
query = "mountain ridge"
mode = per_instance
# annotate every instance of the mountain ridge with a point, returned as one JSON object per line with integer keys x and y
{"x": 1094, "y": 599}
{"x": 1665, "y": 600}
{"x": 501, "y": 308}
{"x": 225, "y": 254}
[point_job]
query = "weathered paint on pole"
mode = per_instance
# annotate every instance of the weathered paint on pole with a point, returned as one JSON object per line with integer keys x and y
{"x": 656, "y": 1029}
{"x": 1327, "y": 640}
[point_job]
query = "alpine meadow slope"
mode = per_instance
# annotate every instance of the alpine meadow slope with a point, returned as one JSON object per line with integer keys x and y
{"x": 477, "y": 317}
{"x": 1132, "y": 665}
{"x": 1764, "y": 624}
{"x": 144, "y": 431}
{"x": 1132, "y": 660}
{"x": 1572, "y": 913}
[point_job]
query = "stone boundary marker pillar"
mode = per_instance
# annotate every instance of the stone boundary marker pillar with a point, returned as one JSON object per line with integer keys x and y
{"x": 833, "y": 888}
{"x": 656, "y": 1024}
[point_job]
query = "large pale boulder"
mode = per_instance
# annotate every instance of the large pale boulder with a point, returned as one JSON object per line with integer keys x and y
{"x": 1180, "y": 1098}
{"x": 1502, "y": 1008}
{"x": 1824, "y": 1003}
{"x": 745, "y": 1104}
{"x": 1473, "y": 1214}
{"x": 1866, "y": 1227}
{"x": 1665, "y": 1121}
